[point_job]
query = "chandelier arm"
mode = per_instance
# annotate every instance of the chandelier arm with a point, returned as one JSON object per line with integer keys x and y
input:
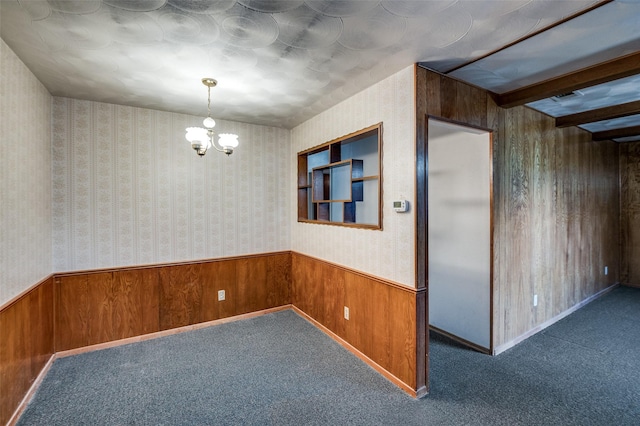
{"x": 217, "y": 146}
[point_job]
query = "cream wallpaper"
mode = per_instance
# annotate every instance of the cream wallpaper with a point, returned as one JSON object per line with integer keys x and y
{"x": 389, "y": 253}
{"x": 25, "y": 180}
{"x": 129, "y": 190}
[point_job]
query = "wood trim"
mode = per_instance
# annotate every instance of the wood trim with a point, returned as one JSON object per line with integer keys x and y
{"x": 393, "y": 379}
{"x": 23, "y": 293}
{"x": 528, "y": 36}
{"x": 170, "y": 332}
{"x": 345, "y": 224}
{"x": 362, "y": 274}
{"x": 492, "y": 241}
{"x": 630, "y": 213}
{"x": 616, "y": 133}
{"x": 422, "y": 162}
{"x": 508, "y": 345}
{"x": 613, "y": 69}
{"x": 160, "y": 265}
{"x": 458, "y": 123}
{"x": 606, "y": 113}
{"x": 460, "y": 340}
{"x": 31, "y": 392}
{"x": 357, "y": 135}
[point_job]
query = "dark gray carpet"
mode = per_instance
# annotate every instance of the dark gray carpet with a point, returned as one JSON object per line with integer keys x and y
{"x": 280, "y": 370}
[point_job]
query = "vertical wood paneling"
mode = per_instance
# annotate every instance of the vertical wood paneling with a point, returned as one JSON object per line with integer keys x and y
{"x": 26, "y": 344}
{"x": 99, "y": 307}
{"x": 279, "y": 280}
{"x": 217, "y": 276}
{"x": 630, "y": 213}
{"x": 382, "y": 316}
{"x": 333, "y": 298}
{"x": 555, "y": 214}
{"x": 252, "y": 283}
{"x": 180, "y": 296}
{"x": 72, "y": 312}
{"x": 149, "y": 282}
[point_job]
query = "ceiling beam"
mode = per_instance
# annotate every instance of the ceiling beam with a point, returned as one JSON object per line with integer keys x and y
{"x": 606, "y": 113}
{"x": 616, "y": 133}
{"x": 528, "y": 36}
{"x": 604, "y": 72}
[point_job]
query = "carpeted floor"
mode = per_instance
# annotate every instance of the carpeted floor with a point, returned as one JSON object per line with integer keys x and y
{"x": 280, "y": 370}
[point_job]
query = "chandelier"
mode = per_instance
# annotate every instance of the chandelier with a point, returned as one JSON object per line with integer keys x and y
{"x": 202, "y": 139}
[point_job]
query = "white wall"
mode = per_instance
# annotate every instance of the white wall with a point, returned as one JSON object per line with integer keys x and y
{"x": 25, "y": 180}
{"x": 389, "y": 253}
{"x": 129, "y": 190}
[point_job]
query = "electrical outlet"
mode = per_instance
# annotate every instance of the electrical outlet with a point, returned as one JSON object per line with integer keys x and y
{"x": 346, "y": 313}
{"x": 221, "y": 295}
{"x": 535, "y": 300}
{"x": 606, "y": 270}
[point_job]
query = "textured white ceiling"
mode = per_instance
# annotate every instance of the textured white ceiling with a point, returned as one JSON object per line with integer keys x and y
{"x": 281, "y": 62}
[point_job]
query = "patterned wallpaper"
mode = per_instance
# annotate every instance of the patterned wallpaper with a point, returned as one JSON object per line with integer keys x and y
{"x": 129, "y": 190}
{"x": 25, "y": 180}
{"x": 389, "y": 253}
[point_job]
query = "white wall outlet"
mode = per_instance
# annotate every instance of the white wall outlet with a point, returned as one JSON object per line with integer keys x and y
{"x": 535, "y": 300}
{"x": 346, "y": 313}
{"x": 606, "y": 270}
{"x": 221, "y": 295}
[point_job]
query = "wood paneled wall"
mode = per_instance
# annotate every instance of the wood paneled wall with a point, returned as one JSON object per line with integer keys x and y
{"x": 556, "y": 211}
{"x": 386, "y": 320}
{"x": 26, "y": 344}
{"x": 630, "y": 213}
{"x": 102, "y": 306}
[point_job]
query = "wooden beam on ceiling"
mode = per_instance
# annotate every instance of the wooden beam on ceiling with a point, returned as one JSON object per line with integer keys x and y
{"x": 528, "y": 36}
{"x": 606, "y": 113}
{"x": 604, "y": 72}
{"x": 616, "y": 133}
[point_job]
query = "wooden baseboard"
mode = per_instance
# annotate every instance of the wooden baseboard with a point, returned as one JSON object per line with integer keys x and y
{"x": 158, "y": 334}
{"x": 393, "y": 379}
{"x": 32, "y": 390}
{"x": 501, "y": 348}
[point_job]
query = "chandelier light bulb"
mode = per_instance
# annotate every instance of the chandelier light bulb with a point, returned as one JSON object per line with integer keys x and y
{"x": 228, "y": 140}
{"x": 209, "y": 123}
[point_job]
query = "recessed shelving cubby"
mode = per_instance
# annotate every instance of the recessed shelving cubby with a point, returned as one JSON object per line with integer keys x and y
{"x": 339, "y": 182}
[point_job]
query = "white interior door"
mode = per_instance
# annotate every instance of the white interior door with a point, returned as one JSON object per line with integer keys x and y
{"x": 459, "y": 227}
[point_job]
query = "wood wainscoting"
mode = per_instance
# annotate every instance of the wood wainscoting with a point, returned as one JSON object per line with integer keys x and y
{"x": 102, "y": 306}
{"x": 26, "y": 344}
{"x": 70, "y": 311}
{"x": 386, "y": 321}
